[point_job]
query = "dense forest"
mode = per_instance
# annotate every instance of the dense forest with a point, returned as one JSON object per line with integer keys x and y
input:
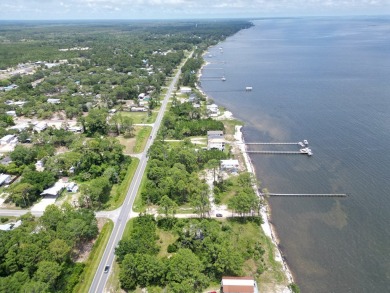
{"x": 202, "y": 251}
{"x": 39, "y": 256}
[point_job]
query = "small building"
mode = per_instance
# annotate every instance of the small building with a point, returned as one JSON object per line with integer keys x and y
{"x": 138, "y": 109}
{"x": 5, "y": 179}
{"x": 75, "y": 129}
{"x": 40, "y": 126}
{"x": 54, "y": 101}
{"x": 239, "y": 285}
{"x": 20, "y": 127}
{"x": 229, "y": 165}
{"x": 214, "y": 133}
{"x": 212, "y": 110}
{"x": 192, "y": 98}
{"x": 10, "y": 226}
{"x": 10, "y": 138}
{"x": 216, "y": 143}
{"x": 39, "y": 166}
{"x": 11, "y": 113}
{"x": 185, "y": 90}
{"x": 72, "y": 187}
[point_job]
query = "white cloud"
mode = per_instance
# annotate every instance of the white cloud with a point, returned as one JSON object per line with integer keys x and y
{"x": 52, "y": 9}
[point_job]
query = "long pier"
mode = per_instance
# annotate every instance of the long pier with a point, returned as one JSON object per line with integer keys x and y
{"x": 308, "y": 194}
{"x": 272, "y": 143}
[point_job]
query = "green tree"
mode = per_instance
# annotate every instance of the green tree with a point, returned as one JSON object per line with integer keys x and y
{"x": 167, "y": 206}
{"x": 48, "y": 272}
{"x": 184, "y": 272}
{"x": 96, "y": 122}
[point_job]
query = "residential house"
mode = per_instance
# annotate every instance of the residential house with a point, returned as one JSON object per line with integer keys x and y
{"x": 192, "y": 98}
{"x": 215, "y": 140}
{"x": 11, "y": 113}
{"x": 229, "y": 165}
{"x": 72, "y": 187}
{"x": 54, "y": 101}
{"x": 10, "y": 138}
{"x": 75, "y": 129}
{"x": 10, "y": 226}
{"x": 239, "y": 285}
{"x": 212, "y": 110}
{"x": 40, "y": 126}
{"x": 185, "y": 90}
{"x": 5, "y": 179}
{"x": 39, "y": 166}
{"x": 55, "y": 190}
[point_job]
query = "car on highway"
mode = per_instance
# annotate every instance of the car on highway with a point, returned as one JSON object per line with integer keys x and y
{"x": 106, "y": 269}
{"x": 219, "y": 215}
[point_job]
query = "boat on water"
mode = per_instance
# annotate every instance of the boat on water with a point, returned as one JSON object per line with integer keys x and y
{"x": 223, "y": 78}
{"x": 305, "y": 142}
{"x": 303, "y": 151}
{"x": 301, "y": 144}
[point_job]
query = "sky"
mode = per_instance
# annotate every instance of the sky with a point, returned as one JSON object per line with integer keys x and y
{"x": 184, "y": 9}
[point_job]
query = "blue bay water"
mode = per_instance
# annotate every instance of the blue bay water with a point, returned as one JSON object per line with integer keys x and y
{"x": 327, "y": 81}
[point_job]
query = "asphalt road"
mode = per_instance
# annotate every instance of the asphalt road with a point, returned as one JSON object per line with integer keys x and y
{"x": 100, "y": 279}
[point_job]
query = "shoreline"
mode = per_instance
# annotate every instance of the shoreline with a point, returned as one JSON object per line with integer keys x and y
{"x": 267, "y": 227}
{"x": 265, "y": 212}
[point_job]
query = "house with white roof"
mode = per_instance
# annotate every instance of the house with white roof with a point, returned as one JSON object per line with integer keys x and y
{"x": 10, "y": 138}
{"x": 55, "y": 189}
{"x": 185, "y": 90}
{"x": 5, "y": 179}
{"x": 40, "y": 126}
{"x": 215, "y": 140}
{"x": 212, "y": 110}
{"x": 54, "y": 101}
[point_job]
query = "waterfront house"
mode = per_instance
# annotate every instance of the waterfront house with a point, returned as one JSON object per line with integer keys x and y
{"x": 229, "y": 165}
{"x": 239, "y": 285}
{"x": 185, "y": 90}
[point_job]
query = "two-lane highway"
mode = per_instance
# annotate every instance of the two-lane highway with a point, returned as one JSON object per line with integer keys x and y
{"x": 101, "y": 277}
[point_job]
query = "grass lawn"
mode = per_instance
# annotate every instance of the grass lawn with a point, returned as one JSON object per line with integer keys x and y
{"x": 139, "y": 206}
{"x": 137, "y": 143}
{"x": 118, "y": 192}
{"x": 140, "y": 117}
{"x": 141, "y": 139}
{"x": 94, "y": 258}
{"x": 230, "y": 126}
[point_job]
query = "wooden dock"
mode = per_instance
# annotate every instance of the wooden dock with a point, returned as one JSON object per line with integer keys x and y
{"x": 308, "y": 194}
{"x": 272, "y": 143}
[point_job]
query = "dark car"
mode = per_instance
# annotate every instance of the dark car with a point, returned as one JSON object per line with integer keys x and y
{"x": 219, "y": 215}
{"x": 106, "y": 269}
